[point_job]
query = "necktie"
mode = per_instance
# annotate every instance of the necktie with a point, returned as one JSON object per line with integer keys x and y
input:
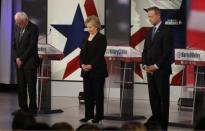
{"x": 153, "y": 32}
{"x": 21, "y": 34}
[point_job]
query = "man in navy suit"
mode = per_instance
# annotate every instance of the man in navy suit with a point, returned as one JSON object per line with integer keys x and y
{"x": 157, "y": 59}
{"x": 25, "y": 52}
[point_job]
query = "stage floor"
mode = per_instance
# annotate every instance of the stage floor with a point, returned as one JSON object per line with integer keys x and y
{"x": 73, "y": 111}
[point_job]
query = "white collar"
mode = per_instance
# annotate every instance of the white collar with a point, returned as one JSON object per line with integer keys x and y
{"x": 157, "y": 26}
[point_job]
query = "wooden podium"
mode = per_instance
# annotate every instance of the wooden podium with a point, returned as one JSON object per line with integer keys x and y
{"x": 196, "y": 58}
{"x": 47, "y": 53}
{"x": 126, "y": 58}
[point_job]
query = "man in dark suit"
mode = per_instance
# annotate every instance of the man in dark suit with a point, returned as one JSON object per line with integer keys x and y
{"x": 157, "y": 59}
{"x": 26, "y": 58}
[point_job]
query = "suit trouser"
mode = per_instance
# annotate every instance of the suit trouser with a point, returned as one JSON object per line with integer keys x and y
{"x": 159, "y": 92}
{"x": 94, "y": 96}
{"x": 27, "y": 79}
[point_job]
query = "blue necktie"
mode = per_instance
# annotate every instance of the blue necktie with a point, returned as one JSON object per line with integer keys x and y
{"x": 153, "y": 32}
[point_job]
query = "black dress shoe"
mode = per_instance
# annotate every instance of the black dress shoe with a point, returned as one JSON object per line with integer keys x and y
{"x": 96, "y": 120}
{"x": 84, "y": 119}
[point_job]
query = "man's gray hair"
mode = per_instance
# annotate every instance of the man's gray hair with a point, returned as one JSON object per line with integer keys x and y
{"x": 21, "y": 16}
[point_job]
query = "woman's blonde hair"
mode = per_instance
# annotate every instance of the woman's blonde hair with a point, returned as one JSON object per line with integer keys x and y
{"x": 95, "y": 20}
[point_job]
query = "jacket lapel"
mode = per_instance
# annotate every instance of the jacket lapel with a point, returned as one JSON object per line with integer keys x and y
{"x": 95, "y": 38}
{"x": 155, "y": 36}
{"x": 22, "y": 37}
{"x": 17, "y": 35}
{"x": 24, "y": 33}
{"x": 150, "y": 38}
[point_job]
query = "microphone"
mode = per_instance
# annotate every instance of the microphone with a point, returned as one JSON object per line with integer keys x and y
{"x": 40, "y": 39}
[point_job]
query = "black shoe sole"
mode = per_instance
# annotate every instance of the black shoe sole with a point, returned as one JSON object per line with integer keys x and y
{"x": 84, "y": 120}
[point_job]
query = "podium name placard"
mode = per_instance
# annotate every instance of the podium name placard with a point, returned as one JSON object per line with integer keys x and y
{"x": 189, "y": 56}
{"x": 123, "y": 53}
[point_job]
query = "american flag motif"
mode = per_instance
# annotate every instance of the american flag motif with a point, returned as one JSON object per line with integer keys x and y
{"x": 196, "y": 25}
{"x": 195, "y": 33}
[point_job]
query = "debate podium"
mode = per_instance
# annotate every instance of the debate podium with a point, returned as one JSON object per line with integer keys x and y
{"x": 47, "y": 53}
{"x": 197, "y": 58}
{"x": 122, "y": 59}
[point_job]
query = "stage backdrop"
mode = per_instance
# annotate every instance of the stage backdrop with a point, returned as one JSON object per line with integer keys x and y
{"x": 66, "y": 32}
{"x": 5, "y": 41}
{"x": 173, "y": 15}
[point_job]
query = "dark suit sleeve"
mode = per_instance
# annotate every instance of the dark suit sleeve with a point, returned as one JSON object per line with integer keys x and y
{"x": 32, "y": 44}
{"x": 82, "y": 52}
{"x": 167, "y": 49}
{"x": 100, "y": 49}
{"x": 144, "y": 53}
{"x": 14, "y": 49}
{"x": 14, "y": 45}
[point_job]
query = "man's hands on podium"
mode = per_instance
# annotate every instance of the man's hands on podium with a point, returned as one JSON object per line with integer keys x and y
{"x": 87, "y": 67}
{"x": 19, "y": 62}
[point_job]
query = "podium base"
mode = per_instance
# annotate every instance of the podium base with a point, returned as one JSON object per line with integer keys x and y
{"x": 118, "y": 118}
{"x": 50, "y": 111}
{"x": 174, "y": 124}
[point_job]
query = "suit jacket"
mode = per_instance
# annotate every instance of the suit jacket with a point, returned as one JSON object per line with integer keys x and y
{"x": 96, "y": 56}
{"x": 159, "y": 51}
{"x": 27, "y": 48}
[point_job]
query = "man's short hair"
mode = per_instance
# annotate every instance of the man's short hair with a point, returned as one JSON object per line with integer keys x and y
{"x": 21, "y": 16}
{"x": 154, "y": 8}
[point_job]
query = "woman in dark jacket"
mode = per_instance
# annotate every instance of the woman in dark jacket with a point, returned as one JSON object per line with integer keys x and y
{"x": 94, "y": 70}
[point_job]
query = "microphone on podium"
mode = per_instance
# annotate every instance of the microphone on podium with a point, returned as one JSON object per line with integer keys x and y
{"x": 43, "y": 37}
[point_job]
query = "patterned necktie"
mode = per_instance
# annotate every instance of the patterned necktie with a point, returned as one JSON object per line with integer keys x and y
{"x": 153, "y": 32}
